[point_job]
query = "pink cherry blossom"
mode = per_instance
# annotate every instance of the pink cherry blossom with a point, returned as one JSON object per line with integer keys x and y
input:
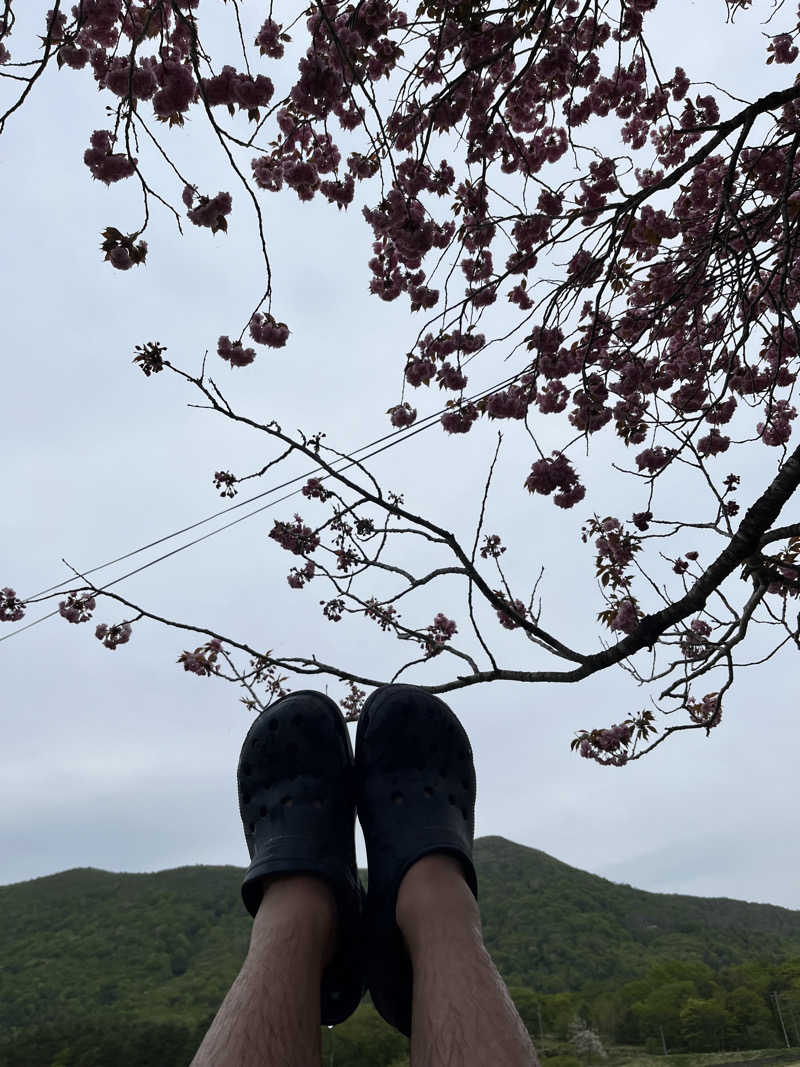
{"x": 77, "y": 608}
{"x": 12, "y": 609}
{"x": 211, "y": 212}
{"x": 104, "y": 164}
{"x": 234, "y": 352}
{"x": 265, "y": 330}
{"x": 112, "y": 636}
{"x": 295, "y": 537}
{"x": 402, "y": 415}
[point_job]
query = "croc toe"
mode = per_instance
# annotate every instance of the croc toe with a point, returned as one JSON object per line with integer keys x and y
{"x": 297, "y": 802}
{"x": 415, "y": 792}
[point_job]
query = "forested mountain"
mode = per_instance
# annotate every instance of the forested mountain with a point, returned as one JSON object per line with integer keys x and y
{"x": 162, "y": 949}
{"x": 554, "y": 927}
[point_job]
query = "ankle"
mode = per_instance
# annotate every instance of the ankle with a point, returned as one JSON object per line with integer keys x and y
{"x": 304, "y": 901}
{"x": 434, "y": 900}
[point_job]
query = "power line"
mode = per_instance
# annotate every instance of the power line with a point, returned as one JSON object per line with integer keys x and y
{"x": 208, "y": 518}
{"x": 393, "y": 439}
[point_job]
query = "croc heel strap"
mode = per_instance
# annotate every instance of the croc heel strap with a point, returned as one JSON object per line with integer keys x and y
{"x": 415, "y": 789}
{"x": 297, "y": 802}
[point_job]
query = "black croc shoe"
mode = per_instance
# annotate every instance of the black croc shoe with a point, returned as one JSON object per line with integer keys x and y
{"x": 297, "y": 802}
{"x": 415, "y": 792}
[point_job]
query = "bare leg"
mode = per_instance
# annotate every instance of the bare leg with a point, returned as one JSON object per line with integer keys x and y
{"x": 271, "y": 1015}
{"x": 462, "y": 1014}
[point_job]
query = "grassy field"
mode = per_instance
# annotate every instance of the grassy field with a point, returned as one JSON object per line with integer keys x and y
{"x": 631, "y": 1057}
{"x": 622, "y": 1057}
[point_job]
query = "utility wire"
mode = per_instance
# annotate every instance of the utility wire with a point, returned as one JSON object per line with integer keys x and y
{"x": 423, "y": 424}
{"x": 393, "y": 438}
{"x": 202, "y": 522}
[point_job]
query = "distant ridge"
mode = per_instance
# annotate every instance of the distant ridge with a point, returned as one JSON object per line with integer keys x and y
{"x": 168, "y": 944}
{"x": 586, "y": 930}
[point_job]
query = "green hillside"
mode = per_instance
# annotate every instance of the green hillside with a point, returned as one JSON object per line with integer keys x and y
{"x": 554, "y": 927}
{"x": 133, "y": 951}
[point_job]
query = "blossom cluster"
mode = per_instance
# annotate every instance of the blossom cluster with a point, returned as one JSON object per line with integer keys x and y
{"x": 77, "y": 608}
{"x": 266, "y": 330}
{"x": 150, "y": 357}
{"x": 208, "y": 211}
{"x": 548, "y": 475}
{"x": 122, "y": 250}
{"x": 333, "y": 609}
{"x": 626, "y": 616}
{"x": 506, "y": 620}
{"x": 295, "y": 537}
{"x": 352, "y": 704}
{"x": 706, "y": 712}
{"x": 384, "y": 614}
{"x": 438, "y": 634}
{"x": 402, "y": 415}
{"x": 315, "y": 490}
{"x": 786, "y": 581}
{"x": 492, "y": 546}
{"x": 265, "y": 673}
{"x": 203, "y": 660}
{"x": 694, "y": 642}
{"x": 608, "y": 746}
{"x": 12, "y": 609}
{"x": 614, "y": 545}
{"x": 226, "y": 483}
{"x": 112, "y": 636}
{"x": 611, "y": 746}
{"x": 777, "y": 429}
{"x": 299, "y": 576}
{"x": 234, "y": 352}
{"x": 107, "y": 166}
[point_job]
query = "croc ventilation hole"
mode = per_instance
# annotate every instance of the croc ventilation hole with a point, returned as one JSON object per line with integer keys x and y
{"x": 287, "y": 801}
{"x": 428, "y": 791}
{"x": 245, "y": 768}
{"x": 262, "y": 811}
{"x": 245, "y": 798}
{"x": 252, "y": 827}
{"x": 297, "y": 719}
{"x": 451, "y": 798}
{"x": 397, "y": 798}
{"x": 273, "y": 724}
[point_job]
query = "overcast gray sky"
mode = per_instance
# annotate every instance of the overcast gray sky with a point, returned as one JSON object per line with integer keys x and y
{"x": 124, "y": 762}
